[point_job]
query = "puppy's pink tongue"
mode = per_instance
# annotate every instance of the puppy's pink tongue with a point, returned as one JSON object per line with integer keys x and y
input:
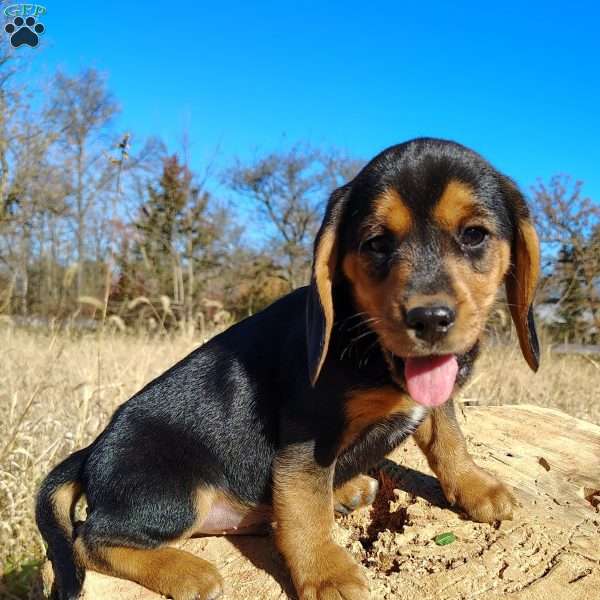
{"x": 430, "y": 379}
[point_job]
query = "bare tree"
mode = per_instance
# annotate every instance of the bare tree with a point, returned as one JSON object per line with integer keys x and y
{"x": 288, "y": 191}
{"x": 10, "y": 104}
{"x": 569, "y": 226}
{"x": 82, "y": 109}
{"x": 28, "y": 186}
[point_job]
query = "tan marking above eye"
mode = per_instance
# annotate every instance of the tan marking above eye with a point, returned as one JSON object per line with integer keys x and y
{"x": 456, "y": 205}
{"x": 391, "y": 212}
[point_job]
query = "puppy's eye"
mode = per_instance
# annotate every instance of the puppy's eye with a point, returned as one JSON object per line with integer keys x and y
{"x": 381, "y": 245}
{"x": 472, "y": 237}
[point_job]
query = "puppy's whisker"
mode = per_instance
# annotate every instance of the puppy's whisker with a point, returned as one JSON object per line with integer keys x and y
{"x": 344, "y": 322}
{"x": 352, "y": 343}
{"x": 344, "y": 351}
{"x": 362, "y": 335}
{"x": 365, "y": 322}
{"x": 355, "y": 315}
{"x": 365, "y": 359}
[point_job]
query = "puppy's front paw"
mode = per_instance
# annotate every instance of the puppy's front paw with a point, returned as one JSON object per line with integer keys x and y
{"x": 356, "y": 493}
{"x": 483, "y": 497}
{"x": 333, "y": 575}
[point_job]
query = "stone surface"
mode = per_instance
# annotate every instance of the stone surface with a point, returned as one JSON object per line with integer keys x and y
{"x": 550, "y": 550}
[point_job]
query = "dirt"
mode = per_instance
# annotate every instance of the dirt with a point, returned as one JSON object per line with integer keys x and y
{"x": 524, "y": 558}
{"x": 550, "y": 550}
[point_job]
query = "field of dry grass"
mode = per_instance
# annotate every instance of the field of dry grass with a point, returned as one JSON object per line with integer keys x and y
{"x": 57, "y": 392}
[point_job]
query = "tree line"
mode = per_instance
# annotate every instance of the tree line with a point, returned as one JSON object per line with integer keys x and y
{"x": 96, "y": 224}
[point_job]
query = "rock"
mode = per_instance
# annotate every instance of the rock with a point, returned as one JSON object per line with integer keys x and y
{"x": 550, "y": 550}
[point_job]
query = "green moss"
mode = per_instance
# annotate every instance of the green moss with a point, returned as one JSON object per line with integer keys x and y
{"x": 19, "y": 579}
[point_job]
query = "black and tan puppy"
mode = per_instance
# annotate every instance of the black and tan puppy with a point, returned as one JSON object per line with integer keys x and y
{"x": 279, "y": 417}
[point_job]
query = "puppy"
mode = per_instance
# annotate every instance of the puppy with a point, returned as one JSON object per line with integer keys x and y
{"x": 279, "y": 417}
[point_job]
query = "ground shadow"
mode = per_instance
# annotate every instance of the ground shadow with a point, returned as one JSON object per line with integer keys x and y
{"x": 262, "y": 553}
{"x": 415, "y": 483}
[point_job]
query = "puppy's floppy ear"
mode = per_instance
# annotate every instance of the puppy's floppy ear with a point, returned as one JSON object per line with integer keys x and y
{"x": 523, "y": 275}
{"x": 319, "y": 310}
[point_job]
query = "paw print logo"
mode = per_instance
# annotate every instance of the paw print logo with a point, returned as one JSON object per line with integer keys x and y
{"x": 24, "y": 31}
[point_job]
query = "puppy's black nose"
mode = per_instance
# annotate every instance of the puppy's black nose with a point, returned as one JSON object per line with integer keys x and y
{"x": 430, "y": 323}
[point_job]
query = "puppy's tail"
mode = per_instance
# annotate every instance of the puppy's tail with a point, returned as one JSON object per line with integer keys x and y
{"x": 54, "y": 514}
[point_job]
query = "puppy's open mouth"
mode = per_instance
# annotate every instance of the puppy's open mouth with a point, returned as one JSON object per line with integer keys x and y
{"x": 429, "y": 379}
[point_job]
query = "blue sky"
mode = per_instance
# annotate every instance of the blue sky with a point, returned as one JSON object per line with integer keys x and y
{"x": 518, "y": 82}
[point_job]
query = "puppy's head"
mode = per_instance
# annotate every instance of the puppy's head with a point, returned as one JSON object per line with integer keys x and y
{"x": 423, "y": 237}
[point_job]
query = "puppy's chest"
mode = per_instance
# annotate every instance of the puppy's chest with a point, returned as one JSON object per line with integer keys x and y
{"x": 387, "y": 406}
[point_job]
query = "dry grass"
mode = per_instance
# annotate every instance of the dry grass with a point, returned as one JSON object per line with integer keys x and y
{"x": 570, "y": 383}
{"x": 56, "y": 393}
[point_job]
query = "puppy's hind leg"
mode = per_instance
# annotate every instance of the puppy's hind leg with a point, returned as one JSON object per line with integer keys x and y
{"x": 115, "y": 547}
{"x": 168, "y": 571}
